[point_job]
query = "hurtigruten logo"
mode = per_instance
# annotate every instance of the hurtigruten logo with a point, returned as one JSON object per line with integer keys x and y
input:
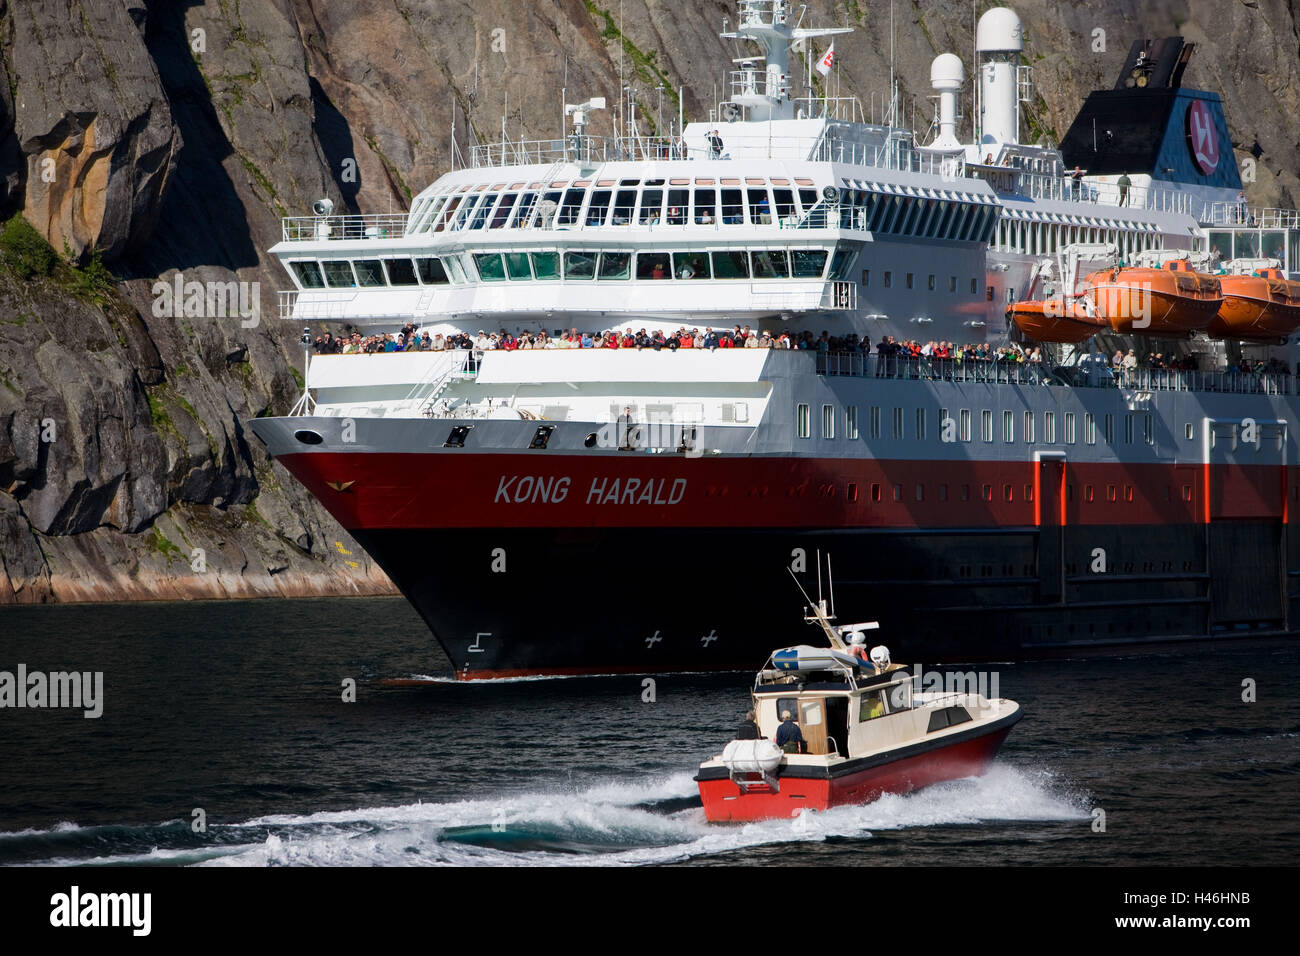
{"x": 77, "y": 690}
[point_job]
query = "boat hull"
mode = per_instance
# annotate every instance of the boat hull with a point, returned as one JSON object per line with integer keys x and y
{"x": 855, "y": 781}
{"x": 1048, "y": 321}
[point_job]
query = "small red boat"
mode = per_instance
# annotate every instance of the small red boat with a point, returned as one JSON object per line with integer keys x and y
{"x": 1171, "y": 298}
{"x": 865, "y": 734}
{"x": 1057, "y": 320}
{"x": 1259, "y": 302}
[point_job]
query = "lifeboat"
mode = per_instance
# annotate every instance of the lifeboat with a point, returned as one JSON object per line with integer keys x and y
{"x": 1057, "y": 320}
{"x": 1259, "y": 302}
{"x": 1169, "y": 299}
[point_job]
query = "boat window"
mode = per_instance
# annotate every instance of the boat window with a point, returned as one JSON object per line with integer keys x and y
{"x": 441, "y": 223}
{"x": 484, "y": 210}
{"x": 624, "y": 205}
{"x": 369, "y": 272}
{"x": 338, "y": 273}
{"x": 503, "y": 210}
{"x": 525, "y": 208}
{"x": 706, "y": 203}
{"x": 808, "y": 263}
{"x": 517, "y": 266}
{"x": 457, "y": 270}
{"x": 653, "y": 265}
{"x": 429, "y": 215}
{"x": 572, "y": 203}
{"x": 598, "y": 208}
{"x": 810, "y": 713}
{"x": 490, "y": 266}
{"x": 733, "y": 212}
{"x": 947, "y": 717}
{"x": 785, "y": 207}
{"x": 580, "y": 265}
{"x": 400, "y": 271}
{"x": 731, "y": 265}
{"x": 652, "y": 201}
{"x": 1247, "y": 245}
{"x": 616, "y": 265}
{"x": 760, "y": 209}
{"x": 677, "y": 200}
{"x": 1274, "y": 245}
{"x": 899, "y": 696}
{"x": 309, "y": 275}
{"x": 807, "y": 199}
{"x": 844, "y": 257}
{"x": 463, "y": 213}
{"x": 431, "y": 271}
{"x": 546, "y": 265}
{"x": 784, "y": 704}
{"x": 547, "y": 209}
{"x": 771, "y": 264}
{"x": 691, "y": 265}
{"x": 871, "y": 705}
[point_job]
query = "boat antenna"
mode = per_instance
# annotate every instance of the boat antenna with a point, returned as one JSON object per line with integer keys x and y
{"x": 819, "y": 577}
{"x": 830, "y": 582}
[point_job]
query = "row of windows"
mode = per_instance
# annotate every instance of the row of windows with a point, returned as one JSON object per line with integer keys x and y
{"x": 909, "y": 281}
{"x": 586, "y": 264}
{"x": 630, "y": 203}
{"x": 959, "y": 429}
{"x": 914, "y": 216}
{"x": 1045, "y": 238}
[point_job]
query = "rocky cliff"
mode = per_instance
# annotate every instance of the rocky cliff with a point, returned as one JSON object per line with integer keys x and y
{"x": 145, "y": 141}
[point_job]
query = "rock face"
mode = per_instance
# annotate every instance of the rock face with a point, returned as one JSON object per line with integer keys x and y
{"x": 171, "y": 138}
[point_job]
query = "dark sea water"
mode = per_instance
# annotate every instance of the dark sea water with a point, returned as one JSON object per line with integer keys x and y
{"x": 235, "y": 708}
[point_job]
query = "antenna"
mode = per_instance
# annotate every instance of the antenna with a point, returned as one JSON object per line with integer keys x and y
{"x": 830, "y": 582}
{"x": 819, "y": 577}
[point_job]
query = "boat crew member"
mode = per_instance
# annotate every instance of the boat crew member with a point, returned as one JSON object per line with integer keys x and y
{"x": 748, "y": 729}
{"x": 1076, "y": 182}
{"x": 1123, "y": 183}
{"x": 715, "y": 144}
{"x": 788, "y": 736}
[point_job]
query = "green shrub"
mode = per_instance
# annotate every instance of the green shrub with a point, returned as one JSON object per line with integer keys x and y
{"x": 25, "y": 250}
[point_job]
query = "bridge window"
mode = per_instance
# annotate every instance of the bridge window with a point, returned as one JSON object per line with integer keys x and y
{"x": 733, "y": 209}
{"x": 771, "y": 264}
{"x": 546, "y": 265}
{"x": 691, "y": 265}
{"x": 523, "y": 211}
{"x": 677, "y": 206}
{"x": 653, "y": 265}
{"x": 490, "y": 266}
{"x": 785, "y": 207}
{"x": 517, "y": 266}
{"x": 598, "y": 208}
{"x": 484, "y": 209}
{"x": 580, "y": 265}
{"x": 616, "y": 265}
{"x": 400, "y": 271}
{"x": 309, "y": 275}
{"x": 338, "y": 273}
{"x": 652, "y": 203}
{"x": 731, "y": 265}
{"x": 431, "y": 271}
{"x": 807, "y": 199}
{"x": 760, "y": 209}
{"x": 844, "y": 257}
{"x": 369, "y": 272}
{"x": 808, "y": 263}
{"x": 624, "y": 206}
{"x": 503, "y": 210}
{"x": 572, "y": 204}
{"x": 706, "y": 206}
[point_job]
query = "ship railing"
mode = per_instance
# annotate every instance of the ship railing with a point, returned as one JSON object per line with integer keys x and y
{"x": 1240, "y": 214}
{"x": 1002, "y": 371}
{"x": 847, "y": 109}
{"x": 840, "y": 296}
{"x": 576, "y": 148}
{"x": 1033, "y": 184}
{"x": 321, "y": 228}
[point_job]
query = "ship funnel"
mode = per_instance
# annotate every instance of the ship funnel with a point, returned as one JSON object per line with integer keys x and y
{"x": 946, "y": 77}
{"x": 998, "y": 41}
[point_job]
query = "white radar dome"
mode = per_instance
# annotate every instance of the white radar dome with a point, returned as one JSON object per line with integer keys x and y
{"x": 947, "y": 72}
{"x": 998, "y": 32}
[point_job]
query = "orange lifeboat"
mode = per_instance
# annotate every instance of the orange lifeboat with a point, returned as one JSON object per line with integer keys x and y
{"x": 1260, "y": 304}
{"x": 1056, "y": 320}
{"x": 1169, "y": 300}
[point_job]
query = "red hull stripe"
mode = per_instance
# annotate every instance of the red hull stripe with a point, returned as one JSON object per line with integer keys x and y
{"x": 535, "y": 490}
{"x": 724, "y": 801}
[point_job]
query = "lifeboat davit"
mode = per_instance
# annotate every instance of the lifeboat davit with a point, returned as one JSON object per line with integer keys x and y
{"x": 1170, "y": 299}
{"x": 1259, "y": 302}
{"x": 1057, "y": 320}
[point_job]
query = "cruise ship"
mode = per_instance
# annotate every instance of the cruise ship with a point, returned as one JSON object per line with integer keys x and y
{"x": 995, "y": 491}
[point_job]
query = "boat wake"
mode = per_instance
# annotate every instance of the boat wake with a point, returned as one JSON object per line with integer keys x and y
{"x": 651, "y": 820}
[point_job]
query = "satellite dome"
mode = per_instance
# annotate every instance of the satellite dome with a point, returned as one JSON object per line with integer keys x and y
{"x": 999, "y": 32}
{"x": 947, "y": 72}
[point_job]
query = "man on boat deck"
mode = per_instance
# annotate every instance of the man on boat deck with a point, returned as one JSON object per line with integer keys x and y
{"x": 788, "y": 736}
{"x": 858, "y": 648}
{"x": 748, "y": 729}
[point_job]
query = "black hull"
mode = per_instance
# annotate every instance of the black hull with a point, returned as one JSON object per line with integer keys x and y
{"x": 588, "y": 601}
